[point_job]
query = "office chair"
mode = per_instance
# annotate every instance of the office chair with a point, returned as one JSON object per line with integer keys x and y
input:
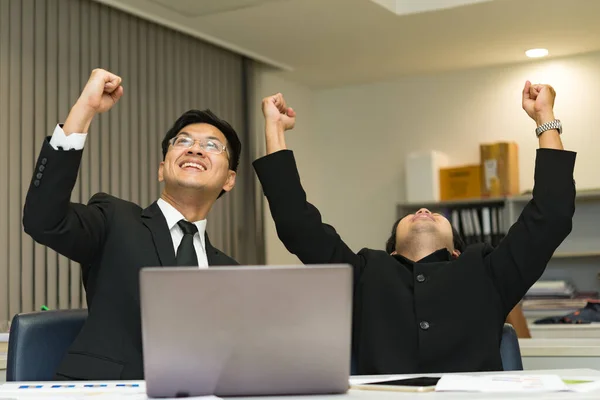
{"x": 38, "y": 342}
{"x": 510, "y": 352}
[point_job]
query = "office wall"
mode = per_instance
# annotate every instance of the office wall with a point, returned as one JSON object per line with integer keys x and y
{"x": 304, "y": 140}
{"x": 47, "y": 50}
{"x": 366, "y": 132}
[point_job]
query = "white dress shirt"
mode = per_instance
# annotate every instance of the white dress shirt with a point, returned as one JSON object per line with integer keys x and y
{"x": 173, "y": 216}
{"x": 73, "y": 141}
{"x": 76, "y": 141}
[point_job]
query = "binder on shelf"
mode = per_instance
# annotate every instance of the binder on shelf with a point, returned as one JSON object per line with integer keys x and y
{"x": 477, "y": 237}
{"x": 455, "y": 221}
{"x": 466, "y": 232}
{"x": 495, "y": 227}
{"x": 501, "y": 227}
{"x": 486, "y": 222}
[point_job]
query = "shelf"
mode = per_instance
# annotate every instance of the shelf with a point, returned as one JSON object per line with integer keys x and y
{"x": 454, "y": 203}
{"x": 560, "y": 347}
{"x": 577, "y": 254}
{"x": 567, "y": 332}
{"x": 582, "y": 195}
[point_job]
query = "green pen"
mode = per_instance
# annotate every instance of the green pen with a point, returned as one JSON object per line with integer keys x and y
{"x": 44, "y": 308}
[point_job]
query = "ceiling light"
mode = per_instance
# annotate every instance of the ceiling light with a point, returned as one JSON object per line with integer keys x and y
{"x": 536, "y": 53}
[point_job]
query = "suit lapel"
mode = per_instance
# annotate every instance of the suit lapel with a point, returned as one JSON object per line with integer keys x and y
{"x": 215, "y": 257}
{"x": 155, "y": 221}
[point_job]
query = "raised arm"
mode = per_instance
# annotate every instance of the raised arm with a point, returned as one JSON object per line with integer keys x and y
{"x": 521, "y": 257}
{"x": 299, "y": 225}
{"x": 74, "y": 230}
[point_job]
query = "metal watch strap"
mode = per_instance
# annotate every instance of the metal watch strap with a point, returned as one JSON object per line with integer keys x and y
{"x": 556, "y": 124}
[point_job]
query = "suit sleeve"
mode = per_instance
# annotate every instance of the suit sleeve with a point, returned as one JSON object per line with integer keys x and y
{"x": 74, "y": 230}
{"x": 298, "y": 223}
{"x": 521, "y": 257}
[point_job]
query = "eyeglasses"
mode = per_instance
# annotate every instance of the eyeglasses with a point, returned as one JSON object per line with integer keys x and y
{"x": 212, "y": 146}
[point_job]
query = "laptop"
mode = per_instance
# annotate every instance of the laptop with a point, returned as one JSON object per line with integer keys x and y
{"x": 244, "y": 331}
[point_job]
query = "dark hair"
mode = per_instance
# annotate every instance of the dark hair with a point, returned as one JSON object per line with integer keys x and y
{"x": 234, "y": 146}
{"x": 458, "y": 242}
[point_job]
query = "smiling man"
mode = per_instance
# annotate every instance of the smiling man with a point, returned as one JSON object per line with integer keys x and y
{"x": 427, "y": 303}
{"x": 112, "y": 238}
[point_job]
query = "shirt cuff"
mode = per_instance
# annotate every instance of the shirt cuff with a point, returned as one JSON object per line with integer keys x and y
{"x": 60, "y": 141}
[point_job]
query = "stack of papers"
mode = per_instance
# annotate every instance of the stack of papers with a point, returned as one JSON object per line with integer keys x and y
{"x": 504, "y": 383}
{"x": 500, "y": 383}
{"x": 561, "y": 289}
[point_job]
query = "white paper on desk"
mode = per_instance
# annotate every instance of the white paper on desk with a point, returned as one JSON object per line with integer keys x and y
{"x": 82, "y": 396}
{"x": 582, "y": 384}
{"x": 501, "y": 383}
{"x": 76, "y": 389}
{"x": 104, "y": 396}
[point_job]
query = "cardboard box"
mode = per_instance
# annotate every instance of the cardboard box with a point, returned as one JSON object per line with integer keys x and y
{"x": 460, "y": 183}
{"x": 423, "y": 176}
{"x": 500, "y": 169}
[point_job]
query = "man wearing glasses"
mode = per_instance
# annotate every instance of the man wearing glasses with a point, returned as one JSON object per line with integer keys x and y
{"x": 426, "y": 305}
{"x": 112, "y": 238}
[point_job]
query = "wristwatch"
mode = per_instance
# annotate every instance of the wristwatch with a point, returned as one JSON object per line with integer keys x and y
{"x": 556, "y": 124}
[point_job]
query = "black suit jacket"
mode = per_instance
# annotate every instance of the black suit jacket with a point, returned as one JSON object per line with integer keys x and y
{"x": 438, "y": 314}
{"x": 112, "y": 239}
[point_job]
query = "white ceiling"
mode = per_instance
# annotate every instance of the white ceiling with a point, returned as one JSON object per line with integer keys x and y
{"x": 324, "y": 43}
{"x": 406, "y": 7}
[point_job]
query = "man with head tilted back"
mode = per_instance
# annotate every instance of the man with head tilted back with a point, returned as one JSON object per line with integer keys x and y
{"x": 427, "y": 303}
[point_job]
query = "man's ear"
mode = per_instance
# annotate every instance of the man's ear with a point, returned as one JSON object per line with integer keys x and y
{"x": 393, "y": 253}
{"x": 230, "y": 182}
{"x": 160, "y": 171}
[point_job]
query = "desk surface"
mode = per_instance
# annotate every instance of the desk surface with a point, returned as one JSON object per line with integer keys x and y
{"x": 368, "y": 395}
{"x": 364, "y": 395}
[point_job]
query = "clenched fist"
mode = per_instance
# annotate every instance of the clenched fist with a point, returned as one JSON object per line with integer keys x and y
{"x": 276, "y": 111}
{"x": 101, "y": 92}
{"x": 538, "y": 102}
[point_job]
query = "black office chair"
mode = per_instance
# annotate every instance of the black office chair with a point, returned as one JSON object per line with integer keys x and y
{"x": 510, "y": 352}
{"x": 38, "y": 341}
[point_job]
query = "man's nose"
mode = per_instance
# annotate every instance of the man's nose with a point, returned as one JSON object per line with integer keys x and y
{"x": 196, "y": 149}
{"x": 423, "y": 211}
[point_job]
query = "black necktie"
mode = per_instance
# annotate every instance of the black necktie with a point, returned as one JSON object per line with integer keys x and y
{"x": 186, "y": 255}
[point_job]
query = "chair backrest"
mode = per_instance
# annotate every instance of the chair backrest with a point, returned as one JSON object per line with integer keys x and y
{"x": 510, "y": 351}
{"x": 38, "y": 342}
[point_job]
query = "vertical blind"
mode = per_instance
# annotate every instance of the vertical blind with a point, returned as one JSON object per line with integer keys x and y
{"x": 47, "y": 50}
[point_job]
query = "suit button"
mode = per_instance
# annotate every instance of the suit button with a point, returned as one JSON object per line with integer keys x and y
{"x": 39, "y": 175}
{"x": 421, "y": 278}
{"x": 36, "y": 183}
{"x": 41, "y": 168}
{"x": 44, "y": 161}
{"x": 424, "y": 325}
